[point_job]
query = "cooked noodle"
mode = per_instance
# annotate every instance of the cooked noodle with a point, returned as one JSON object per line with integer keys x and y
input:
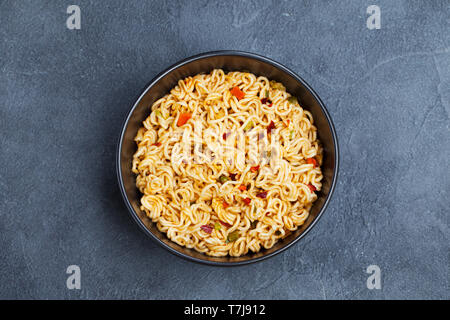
{"x": 227, "y": 163}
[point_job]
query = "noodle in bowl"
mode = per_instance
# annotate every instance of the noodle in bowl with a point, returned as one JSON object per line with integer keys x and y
{"x": 228, "y": 163}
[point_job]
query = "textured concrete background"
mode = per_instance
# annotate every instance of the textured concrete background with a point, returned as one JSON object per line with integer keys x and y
{"x": 64, "y": 95}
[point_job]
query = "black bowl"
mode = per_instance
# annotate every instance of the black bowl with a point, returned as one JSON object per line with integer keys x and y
{"x": 228, "y": 61}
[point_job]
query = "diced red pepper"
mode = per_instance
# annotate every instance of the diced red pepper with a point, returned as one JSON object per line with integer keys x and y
{"x": 266, "y": 101}
{"x": 237, "y": 92}
{"x": 225, "y": 135}
{"x": 247, "y": 201}
{"x": 158, "y": 144}
{"x": 225, "y": 204}
{"x": 312, "y": 161}
{"x": 183, "y": 118}
{"x": 225, "y": 224}
{"x": 254, "y": 169}
{"x": 271, "y": 126}
{"x": 311, "y": 187}
{"x": 242, "y": 187}
{"x": 262, "y": 195}
{"x": 207, "y": 228}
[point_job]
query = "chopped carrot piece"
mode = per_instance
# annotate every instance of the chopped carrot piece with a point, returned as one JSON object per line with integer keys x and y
{"x": 238, "y": 93}
{"x": 225, "y": 204}
{"x": 311, "y": 187}
{"x": 312, "y": 161}
{"x": 242, "y": 187}
{"x": 247, "y": 201}
{"x": 254, "y": 169}
{"x": 158, "y": 144}
{"x": 183, "y": 118}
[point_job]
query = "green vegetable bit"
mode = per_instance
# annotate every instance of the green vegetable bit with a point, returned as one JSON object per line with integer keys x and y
{"x": 217, "y": 226}
{"x": 276, "y": 85}
{"x": 291, "y": 134}
{"x": 224, "y": 178}
{"x": 233, "y": 236}
{"x": 292, "y": 100}
{"x": 267, "y": 94}
{"x": 249, "y": 126}
{"x": 158, "y": 113}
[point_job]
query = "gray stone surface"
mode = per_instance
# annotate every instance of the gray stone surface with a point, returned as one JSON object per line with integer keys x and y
{"x": 64, "y": 95}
